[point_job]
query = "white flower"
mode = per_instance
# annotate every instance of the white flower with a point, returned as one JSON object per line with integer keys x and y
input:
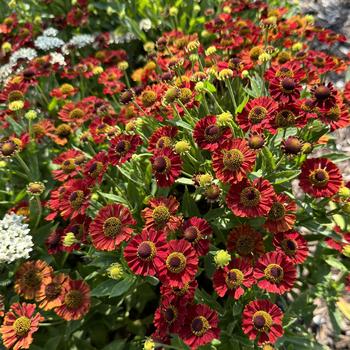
{"x": 16, "y": 241}
{"x": 50, "y": 32}
{"x": 5, "y": 71}
{"x": 145, "y": 24}
{"x": 47, "y": 43}
{"x": 25, "y": 53}
{"x": 81, "y": 40}
{"x": 58, "y": 58}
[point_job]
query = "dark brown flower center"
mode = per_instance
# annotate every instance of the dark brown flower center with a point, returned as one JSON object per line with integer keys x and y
{"x": 32, "y": 279}
{"x": 122, "y": 147}
{"x": 176, "y": 262}
{"x": 234, "y": 278}
{"x": 319, "y": 177}
{"x": 289, "y": 246}
{"x": 262, "y": 321}
{"x": 163, "y": 142}
{"x": 112, "y": 226}
{"x": 212, "y": 133}
{"x": 95, "y": 169}
{"x": 76, "y": 199}
{"x": 161, "y": 164}
{"x": 52, "y": 291}
{"x": 191, "y": 234}
{"x": 146, "y": 250}
{"x": 170, "y": 314}
{"x": 73, "y": 299}
{"x": 250, "y": 197}
{"x": 288, "y": 85}
{"x": 274, "y": 273}
{"x": 245, "y": 245}
{"x": 68, "y": 165}
{"x": 8, "y": 148}
{"x": 322, "y": 93}
{"x": 257, "y": 114}
{"x": 199, "y": 326}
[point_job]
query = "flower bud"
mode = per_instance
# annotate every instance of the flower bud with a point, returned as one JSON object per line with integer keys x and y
{"x": 245, "y": 74}
{"x": 264, "y": 57}
{"x": 346, "y": 250}
{"x": 346, "y": 208}
{"x": 224, "y": 119}
{"x": 297, "y": 46}
{"x": 69, "y": 239}
{"x": 149, "y": 46}
{"x": 205, "y": 180}
{"x": 193, "y": 45}
{"x": 194, "y": 58}
{"x": 123, "y": 65}
{"x": 149, "y": 344}
{"x": 225, "y": 74}
{"x": 115, "y": 271}
{"x": 182, "y": 147}
{"x": 31, "y": 115}
{"x": 16, "y": 105}
{"x": 35, "y": 188}
{"x": 199, "y": 87}
{"x": 307, "y": 148}
{"x": 222, "y": 258}
{"x": 344, "y": 192}
{"x": 173, "y": 11}
{"x": 6, "y": 47}
{"x": 210, "y": 50}
{"x": 97, "y": 70}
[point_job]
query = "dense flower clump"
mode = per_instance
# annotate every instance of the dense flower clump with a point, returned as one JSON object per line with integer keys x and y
{"x": 170, "y": 185}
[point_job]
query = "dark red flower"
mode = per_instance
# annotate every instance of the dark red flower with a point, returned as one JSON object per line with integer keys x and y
{"x": 122, "y": 148}
{"x": 161, "y": 138}
{"x": 166, "y": 166}
{"x": 208, "y": 134}
{"x": 275, "y": 273}
{"x": 233, "y": 160}
{"x": 285, "y": 89}
{"x": 320, "y": 177}
{"x": 70, "y": 164}
{"x": 342, "y": 240}
{"x": 262, "y": 320}
{"x": 179, "y": 295}
{"x": 180, "y": 264}
{"x": 111, "y": 227}
{"x": 324, "y": 96}
{"x": 76, "y": 113}
{"x": 257, "y": 114}
{"x": 250, "y": 199}
{"x": 232, "y": 278}
{"x": 143, "y": 251}
{"x": 200, "y": 327}
{"x": 198, "y": 232}
{"x": 110, "y": 79}
{"x": 292, "y": 244}
{"x": 95, "y": 168}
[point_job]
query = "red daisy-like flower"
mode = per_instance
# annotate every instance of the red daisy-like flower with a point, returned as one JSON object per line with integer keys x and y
{"x": 180, "y": 264}
{"x": 288, "y": 115}
{"x": 262, "y": 320}
{"x": 250, "y": 199}
{"x": 75, "y": 300}
{"x": 160, "y": 214}
{"x": 292, "y": 244}
{"x": 275, "y": 273}
{"x": 232, "y": 278}
{"x": 76, "y": 113}
{"x": 208, "y": 134}
{"x": 336, "y": 116}
{"x": 95, "y": 168}
{"x": 143, "y": 251}
{"x": 197, "y": 231}
{"x": 342, "y": 240}
{"x": 200, "y": 327}
{"x": 63, "y": 92}
{"x": 287, "y": 70}
{"x": 281, "y": 216}
{"x": 320, "y": 177}
{"x": 169, "y": 317}
{"x": 19, "y": 325}
{"x": 245, "y": 241}
{"x": 122, "y": 148}
{"x": 110, "y": 81}
{"x": 324, "y": 97}
{"x": 111, "y": 227}
{"x": 233, "y": 160}
{"x": 257, "y": 113}
{"x": 70, "y": 164}
{"x": 76, "y": 199}
{"x": 166, "y": 166}
{"x": 163, "y": 137}
{"x": 182, "y": 295}
{"x": 284, "y": 90}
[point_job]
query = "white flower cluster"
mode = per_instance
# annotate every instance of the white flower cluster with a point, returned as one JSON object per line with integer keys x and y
{"x": 50, "y": 32}
{"x": 81, "y": 40}
{"x": 58, "y": 58}
{"x": 47, "y": 43}
{"x": 121, "y": 39}
{"x": 16, "y": 241}
{"x": 145, "y": 24}
{"x": 25, "y": 53}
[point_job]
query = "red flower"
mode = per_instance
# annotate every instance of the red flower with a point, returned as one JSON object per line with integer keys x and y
{"x": 180, "y": 264}
{"x": 208, "y": 134}
{"x": 275, "y": 273}
{"x": 19, "y": 325}
{"x": 110, "y": 81}
{"x": 161, "y": 214}
{"x": 161, "y": 138}
{"x": 110, "y": 227}
{"x": 233, "y": 160}
{"x": 257, "y": 114}
{"x": 95, "y": 168}
{"x": 201, "y": 326}
{"x": 284, "y": 90}
{"x": 122, "y": 148}
{"x": 69, "y": 163}
{"x": 320, "y": 177}
{"x": 76, "y": 199}
{"x": 324, "y": 97}
{"x": 287, "y": 70}
{"x": 250, "y": 199}
{"x": 166, "y": 166}
{"x": 198, "y": 232}
{"x": 336, "y": 116}
{"x": 281, "y": 216}
{"x": 245, "y": 241}
{"x": 76, "y": 113}
{"x": 75, "y": 300}
{"x": 143, "y": 252}
{"x": 232, "y": 278}
{"x": 183, "y": 295}
{"x": 263, "y": 320}
{"x": 64, "y": 92}
{"x": 343, "y": 239}
{"x": 292, "y": 244}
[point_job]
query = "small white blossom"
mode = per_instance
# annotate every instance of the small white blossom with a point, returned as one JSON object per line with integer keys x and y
{"x": 57, "y": 58}
{"x": 5, "y": 71}
{"x": 145, "y": 24}
{"x": 50, "y": 32}
{"x": 81, "y": 40}
{"x": 25, "y": 53}
{"x": 16, "y": 241}
{"x": 47, "y": 43}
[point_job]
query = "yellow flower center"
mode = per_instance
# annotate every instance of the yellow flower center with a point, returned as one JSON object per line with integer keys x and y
{"x": 233, "y": 159}
{"x": 22, "y": 326}
{"x": 161, "y": 215}
{"x": 176, "y": 262}
{"x": 274, "y": 273}
{"x": 262, "y": 321}
{"x": 112, "y": 226}
{"x": 257, "y": 114}
{"x": 234, "y": 278}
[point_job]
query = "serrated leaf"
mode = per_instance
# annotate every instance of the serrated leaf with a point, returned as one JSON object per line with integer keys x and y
{"x": 122, "y": 287}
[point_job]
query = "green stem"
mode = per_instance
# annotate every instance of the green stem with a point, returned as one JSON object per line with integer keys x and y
{"x": 228, "y": 84}
{"x": 23, "y": 165}
{"x": 215, "y": 101}
{"x": 40, "y": 211}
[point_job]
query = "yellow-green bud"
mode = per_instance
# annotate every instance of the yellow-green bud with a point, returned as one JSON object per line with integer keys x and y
{"x": 37, "y": 20}
{"x": 31, "y": 115}
{"x": 196, "y": 8}
{"x": 149, "y": 344}
{"x": 6, "y": 47}
{"x": 297, "y": 46}
{"x": 193, "y": 45}
{"x": 222, "y": 258}
{"x": 115, "y": 271}
{"x": 225, "y": 74}
{"x": 149, "y": 46}
{"x": 344, "y": 192}
{"x": 173, "y": 11}
{"x": 245, "y": 74}
{"x": 306, "y": 148}
{"x": 123, "y": 65}
{"x": 69, "y": 239}
{"x": 205, "y": 34}
{"x": 205, "y": 180}
{"x": 224, "y": 119}
{"x": 35, "y": 188}
{"x": 346, "y": 208}
{"x": 194, "y": 57}
{"x": 97, "y": 70}
{"x": 182, "y": 146}
{"x": 310, "y": 19}
{"x": 346, "y": 250}
{"x": 227, "y": 9}
{"x": 199, "y": 87}
{"x": 110, "y": 10}
{"x": 16, "y": 105}
{"x": 210, "y": 50}
{"x": 12, "y": 4}
{"x": 264, "y": 57}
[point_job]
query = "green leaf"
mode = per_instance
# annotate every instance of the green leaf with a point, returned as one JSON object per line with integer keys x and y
{"x": 103, "y": 288}
{"x": 209, "y": 86}
{"x": 153, "y": 281}
{"x": 52, "y": 105}
{"x": 17, "y": 128}
{"x": 122, "y": 286}
{"x": 184, "y": 181}
{"x": 53, "y": 342}
{"x": 114, "y": 198}
{"x": 242, "y": 104}
{"x": 268, "y": 160}
{"x": 189, "y": 206}
{"x": 283, "y": 176}
{"x": 335, "y": 262}
{"x": 336, "y": 157}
